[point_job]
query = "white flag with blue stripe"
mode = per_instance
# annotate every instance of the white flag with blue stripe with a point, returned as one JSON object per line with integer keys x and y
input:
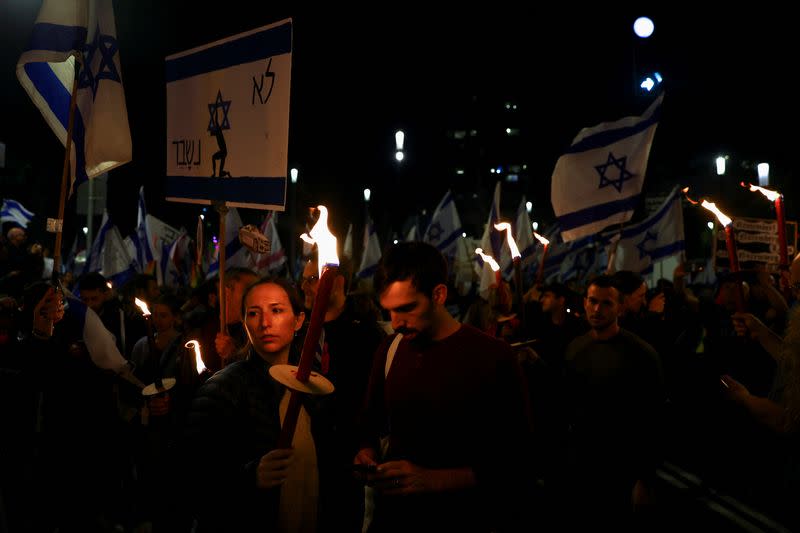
{"x": 142, "y": 240}
{"x": 228, "y": 119}
{"x": 444, "y": 229}
{"x": 236, "y": 255}
{"x": 523, "y": 232}
{"x": 659, "y": 236}
{"x": 101, "y": 138}
{"x": 347, "y": 250}
{"x": 109, "y": 255}
{"x": 372, "y": 251}
{"x": 598, "y": 182}
{"x": 13, "y": 211}
{"x": 100, "y": 343}
{"x": 276, "y": 258}
{"x": 492, "y": 243}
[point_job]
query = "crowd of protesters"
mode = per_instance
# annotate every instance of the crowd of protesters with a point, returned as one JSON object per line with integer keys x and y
{"x": 549, "y": 411}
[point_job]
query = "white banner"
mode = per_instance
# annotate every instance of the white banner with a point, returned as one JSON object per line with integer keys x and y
{"x": 228, "y": 120}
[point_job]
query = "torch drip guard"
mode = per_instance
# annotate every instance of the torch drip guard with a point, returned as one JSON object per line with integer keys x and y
{"x": 287, "y": 375}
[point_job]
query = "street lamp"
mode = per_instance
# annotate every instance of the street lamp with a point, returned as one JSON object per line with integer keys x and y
{"x": 763, "y": 174}
{"x": 528, "y": 207}
{"x": 720, "y": 161}
{"x": 293, "y": 173}
{"x": 643, "y": 27}
{"x": 367, "y": 194}
{"x": 399, "y": 141}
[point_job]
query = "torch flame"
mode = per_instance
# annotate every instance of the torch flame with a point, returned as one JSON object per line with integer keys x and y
{"x": 722, "y": 217}
{"x": 324, "y": 239}
{"x": 488, "y": 258}
{"x": 541, "y": 239}
{"x": 142, "y": 306}
{"x": 505, "y": 226}
{"x": 711, "y": 206}
{"x": 685, "y": 192}
{"x": 198, "y": 360}
{"x": 771, "y": 195}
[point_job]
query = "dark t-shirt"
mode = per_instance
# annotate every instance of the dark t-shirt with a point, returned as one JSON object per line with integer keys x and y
{"x": 458, "y": 402}
{"x": 614, "y": 396}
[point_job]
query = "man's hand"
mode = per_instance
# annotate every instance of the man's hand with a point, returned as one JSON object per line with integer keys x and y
{"x": 746, "y": 322}
{"x": 735, "y": 390}
{"x": 402, "y": 477}
{"x": 273, "y": 467}
{"x": 225, "y": 346}
{"x": 47, "y": 312}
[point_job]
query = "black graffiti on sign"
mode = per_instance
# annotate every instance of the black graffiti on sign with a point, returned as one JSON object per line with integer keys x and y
{"x": 258, "y": 86}
{"x": 187, "y": 152}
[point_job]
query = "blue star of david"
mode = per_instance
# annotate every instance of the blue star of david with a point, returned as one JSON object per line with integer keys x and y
{"x": 641, "y": 246}
{"x": 225, "y": 105}
{"x": 435, "y": 231}
{"x": 619, "y": 163}
{"x": 90, "y": 77}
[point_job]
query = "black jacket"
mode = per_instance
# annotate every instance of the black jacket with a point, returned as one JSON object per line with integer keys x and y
{"x": 233, "y": 421}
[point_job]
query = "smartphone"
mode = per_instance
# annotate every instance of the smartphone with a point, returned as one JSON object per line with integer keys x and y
{"x": 364, "y": 469}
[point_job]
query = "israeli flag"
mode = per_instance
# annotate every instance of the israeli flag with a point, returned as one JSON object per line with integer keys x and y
{"x": 13, "y": 211}
{"x": 444, "y": 229}
{"x": 82, "y": 29}
{"x": 236, "y": 255}
{"x": 276, "y": 258}
{"x": 523, "y": 231}
{"x": 523, "y": 236}
{"x": 372, "y": 251}
{"x": 142, "y": 240}
{"x": 228, "y": 120}
{"x": 598, "y": 182}
{"x": 659, "y": 236}
{"x": 492, "y": 244}
{"x": 109, "y": 255}
{"x": 100, "y": 343}
{"x": 347, "y": 249}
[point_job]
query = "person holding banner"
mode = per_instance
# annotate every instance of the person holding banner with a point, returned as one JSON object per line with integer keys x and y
{"x": 229, "y": 343}
{"x": 241, "y": 481}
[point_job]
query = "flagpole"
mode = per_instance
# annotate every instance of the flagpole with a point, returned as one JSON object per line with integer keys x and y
{"x": 222, "y": 209}
{"x": 58, "y": 225}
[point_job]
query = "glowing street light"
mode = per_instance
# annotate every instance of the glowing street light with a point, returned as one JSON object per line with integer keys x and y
{"x": 763, "y": 174}
{"x": 528, "y": 206}
{"x": 720, "y": 161}
{"x": 643, "y": 27}
{"x": 399, "y": 141}
{"x": 367, "y": 194}
{"x": 293, "y": 173}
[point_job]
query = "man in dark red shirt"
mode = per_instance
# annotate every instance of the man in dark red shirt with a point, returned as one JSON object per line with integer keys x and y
{"x": 452, "y": 402}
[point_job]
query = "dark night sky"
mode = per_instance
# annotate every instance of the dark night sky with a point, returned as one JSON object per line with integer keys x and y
{"x": 358, "y": 75}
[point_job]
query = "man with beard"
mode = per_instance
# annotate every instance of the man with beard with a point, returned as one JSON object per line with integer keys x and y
{"x": 614, "y": 396}
{"x": 451, "y": 401}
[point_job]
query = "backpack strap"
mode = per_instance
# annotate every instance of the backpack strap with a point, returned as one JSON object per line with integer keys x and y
{"x": 390, "y": 354}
